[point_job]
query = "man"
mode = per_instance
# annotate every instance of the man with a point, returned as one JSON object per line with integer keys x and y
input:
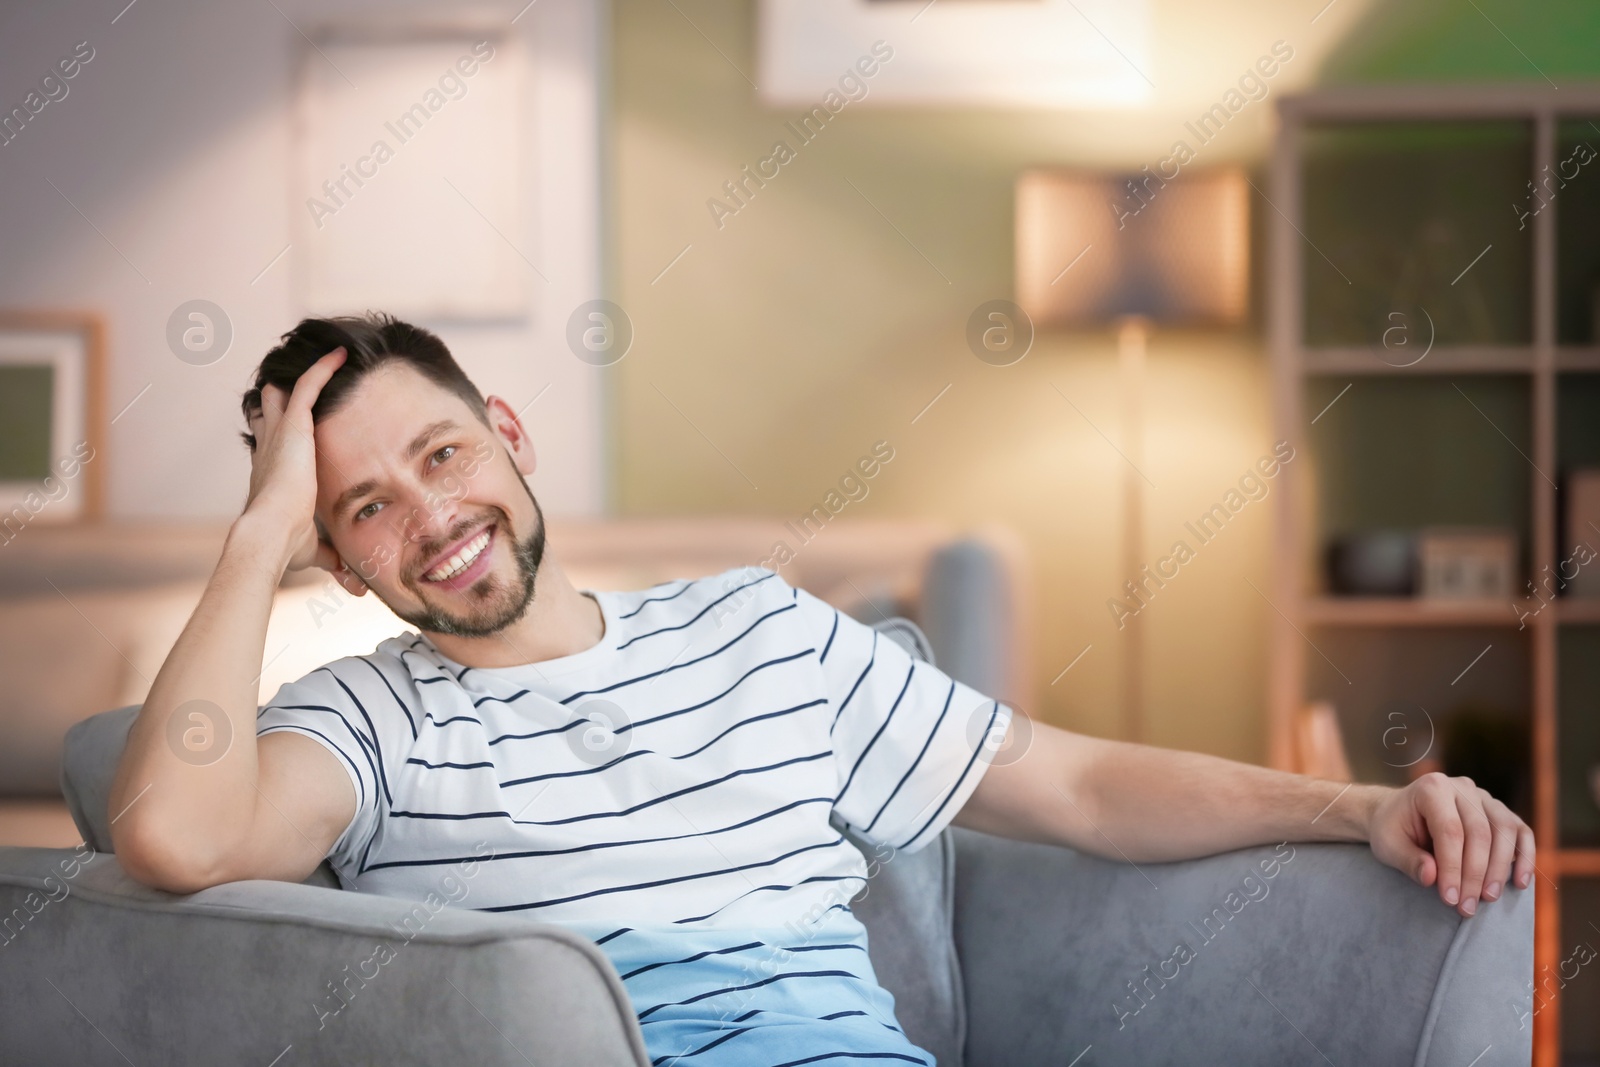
{"x": 661, "y": 769}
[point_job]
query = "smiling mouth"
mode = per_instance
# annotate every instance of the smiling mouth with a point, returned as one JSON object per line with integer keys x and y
{"x": 461, "y": 559}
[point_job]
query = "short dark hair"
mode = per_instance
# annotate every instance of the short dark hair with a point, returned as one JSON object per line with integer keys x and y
{"x": 369, "y": 341}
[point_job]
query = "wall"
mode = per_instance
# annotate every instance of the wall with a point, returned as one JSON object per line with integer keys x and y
{"x": 172, "y": 146}
{"x": 830, "y": 310}
{"x": 1551, "y": 42}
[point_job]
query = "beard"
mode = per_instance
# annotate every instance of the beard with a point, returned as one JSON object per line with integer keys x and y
{"x": 496, "y": 604}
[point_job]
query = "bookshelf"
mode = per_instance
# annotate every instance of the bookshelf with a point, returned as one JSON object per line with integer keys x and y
{"x": 1380, "y": 198}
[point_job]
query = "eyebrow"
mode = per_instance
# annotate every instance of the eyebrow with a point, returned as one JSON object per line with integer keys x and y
{"x": 413, "y": 450}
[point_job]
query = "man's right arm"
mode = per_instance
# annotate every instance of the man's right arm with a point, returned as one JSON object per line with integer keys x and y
{"x": 198, "y": 800}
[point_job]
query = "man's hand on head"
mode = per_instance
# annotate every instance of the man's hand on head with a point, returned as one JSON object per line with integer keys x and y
{"x": 1447, "y": 833}
{"x": 283, "y": 466}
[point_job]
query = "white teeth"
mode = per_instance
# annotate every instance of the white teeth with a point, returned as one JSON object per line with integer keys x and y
{"x": 461, "y": 560}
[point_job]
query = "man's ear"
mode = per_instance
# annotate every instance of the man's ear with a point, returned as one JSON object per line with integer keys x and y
{"x": 507, "y": 425}
{"x": 345, "y": 575}
{"x": 328, "y": 559}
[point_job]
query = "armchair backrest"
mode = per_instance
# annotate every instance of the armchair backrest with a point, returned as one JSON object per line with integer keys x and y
{"x": 89, "y": 763}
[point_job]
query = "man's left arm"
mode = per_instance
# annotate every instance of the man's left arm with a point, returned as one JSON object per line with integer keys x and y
{"x": 1143, "y": 804}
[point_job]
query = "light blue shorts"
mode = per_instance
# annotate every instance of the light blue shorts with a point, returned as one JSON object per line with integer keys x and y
{"x": 757, "y": 998}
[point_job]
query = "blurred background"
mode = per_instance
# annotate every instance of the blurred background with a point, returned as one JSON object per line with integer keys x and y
{"x": 1308, "y": 289}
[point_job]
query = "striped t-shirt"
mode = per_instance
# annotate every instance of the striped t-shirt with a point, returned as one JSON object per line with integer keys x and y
{"x": 677, "y": 785}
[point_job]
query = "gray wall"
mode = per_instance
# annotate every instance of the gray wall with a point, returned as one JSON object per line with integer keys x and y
{"x": 173, "y": 147}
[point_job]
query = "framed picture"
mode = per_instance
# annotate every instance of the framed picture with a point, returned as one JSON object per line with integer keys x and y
{"x": 52, "y": 369}
{"x": 410, "y": 177}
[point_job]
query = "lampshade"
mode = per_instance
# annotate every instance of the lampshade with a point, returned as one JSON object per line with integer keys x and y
{"x": 1093, "y": 248}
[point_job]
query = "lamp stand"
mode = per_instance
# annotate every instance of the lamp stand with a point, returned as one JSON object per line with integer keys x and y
{"x": 1132, "y": 334}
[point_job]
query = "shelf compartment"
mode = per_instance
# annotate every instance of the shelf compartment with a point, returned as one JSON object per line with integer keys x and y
{"x": 1570, "y": 184}
{"x": 1578, "y": 419}
{"x": 1402, "y": 216}
{"x": 1580, "y": 926}
{"x": 1408, "y": 452}
{"x": 1410, "y": 693}
{"x": 1578, "y": 734}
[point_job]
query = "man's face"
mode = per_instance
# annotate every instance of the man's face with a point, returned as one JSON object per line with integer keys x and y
{"x": 427, "y": 505}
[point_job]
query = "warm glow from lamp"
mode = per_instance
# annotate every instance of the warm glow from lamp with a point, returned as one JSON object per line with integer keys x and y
{"x": 1132, "y": 251}
{"x": 1091, "y": 249}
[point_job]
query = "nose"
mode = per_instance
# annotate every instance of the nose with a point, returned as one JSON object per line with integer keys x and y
{"x": 430, "y": 517}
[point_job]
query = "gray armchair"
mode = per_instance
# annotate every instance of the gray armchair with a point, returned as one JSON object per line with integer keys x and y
{"x": 998, "y": 953}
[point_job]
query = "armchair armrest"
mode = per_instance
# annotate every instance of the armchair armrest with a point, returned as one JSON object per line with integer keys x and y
{"x": 95, "y": 967}
{"x": 1296, "y": 954}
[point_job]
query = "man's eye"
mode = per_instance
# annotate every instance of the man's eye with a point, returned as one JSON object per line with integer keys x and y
{"x": 444, "y": 453}
{"x": 368, "y": 511}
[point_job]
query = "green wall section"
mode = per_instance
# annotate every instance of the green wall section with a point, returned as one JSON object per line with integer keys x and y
{"x": 1470, "y": 40}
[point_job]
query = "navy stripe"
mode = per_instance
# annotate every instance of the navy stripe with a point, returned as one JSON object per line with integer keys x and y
{"x": 743, "y": 722}
{"x": 438, "y": 666}
{"x": 428, "y": 717}
{"x": 698, "y": 615}
{"x": 696, "y": 707}
{"x": 527, "y": 854}
{"x": 563, "y": 728}
{"x": 481, "y": 701}
{"x": 752, "y": 985}
{"x": 434, "y": 662}
{"x": 767, "y": 888}
{"x": 865, "y": 671}
{"x": 964, "y": 772}
{"x": 691, "y": 959}
{"x": 450, "y": 766}
{"x": 609, "y": 814}
{"x": 403, "y": 706}
{"x": 853, "y": 1056}
{"x": 654, "y": 883}
{"x": 649, "y": 751}
{"x": 644, "y": 722}
{"x": 831, "y": 635}
{"x": 366, "y": 852}
{"x": 914, "y": 763}
{"x": 685, "y": 663}
{"x": 884, "y": 725}
{"x": 753, "y": 1012}
{"x": 729, "y": 1036}
{"x": 687, "y": 584}
{"x": 383, "y": 776}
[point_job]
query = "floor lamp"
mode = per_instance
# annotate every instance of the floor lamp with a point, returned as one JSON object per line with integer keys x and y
{"x": 1132, "y": 252}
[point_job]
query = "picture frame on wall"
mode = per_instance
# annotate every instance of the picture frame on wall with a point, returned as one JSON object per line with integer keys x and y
{"x": 52, "y": 394}
{"x": 410, "y": 192}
